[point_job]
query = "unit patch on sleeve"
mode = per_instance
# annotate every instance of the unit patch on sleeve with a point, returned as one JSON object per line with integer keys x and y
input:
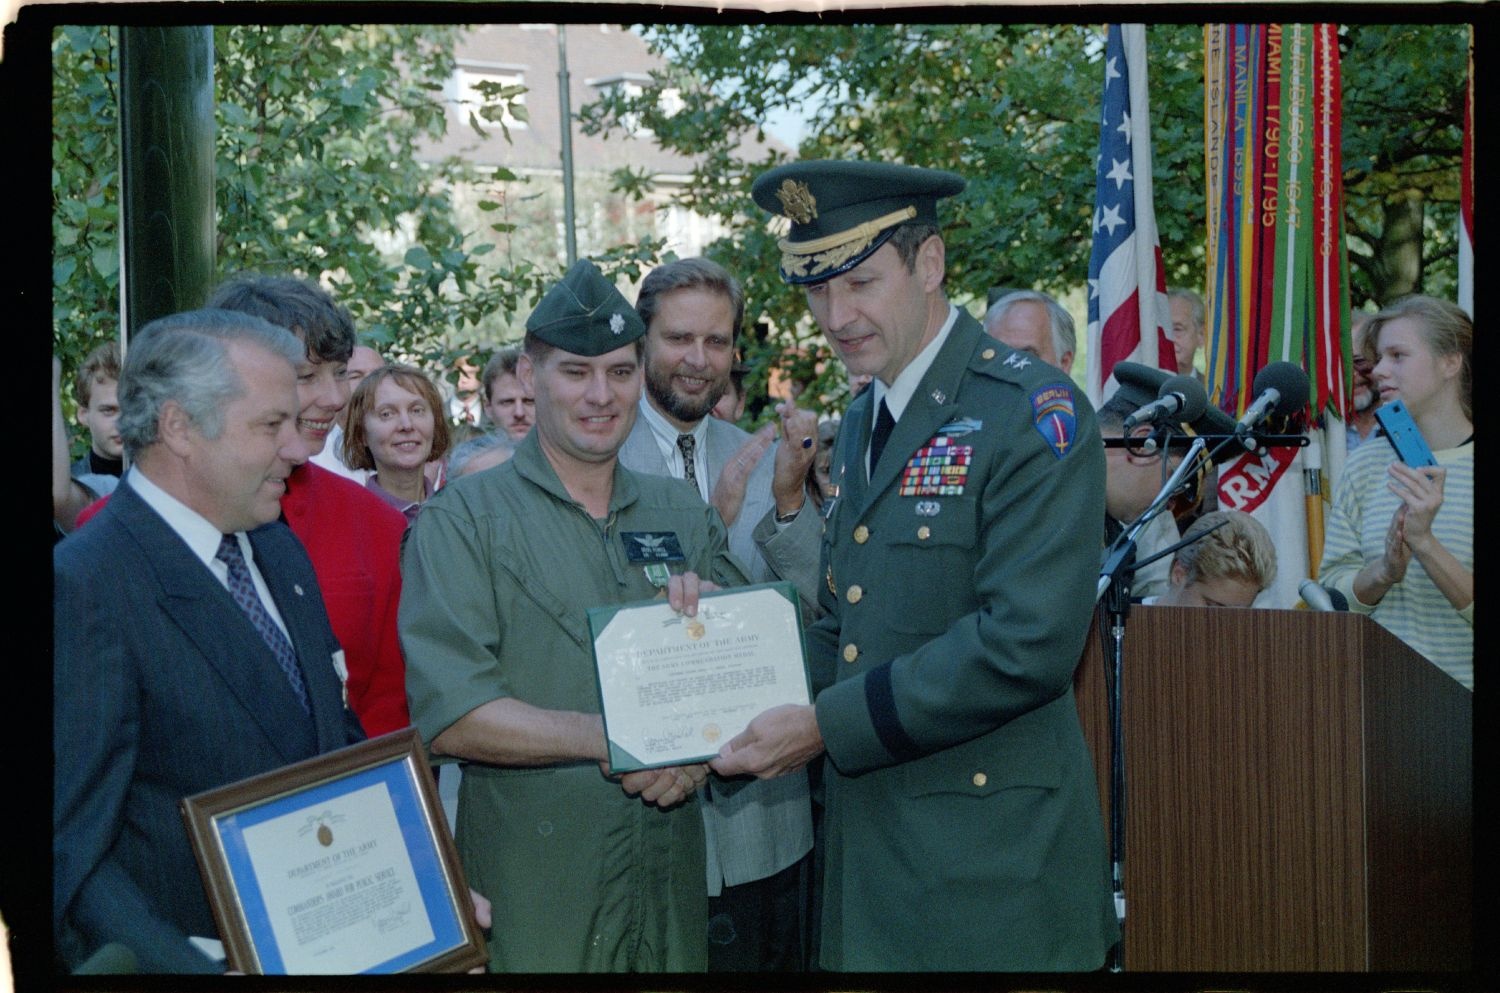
{"x": 1053, "y": 413}
{"x": 940, "y": 468}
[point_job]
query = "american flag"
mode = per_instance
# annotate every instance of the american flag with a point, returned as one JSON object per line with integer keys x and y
{"x": 1127, "y": 284}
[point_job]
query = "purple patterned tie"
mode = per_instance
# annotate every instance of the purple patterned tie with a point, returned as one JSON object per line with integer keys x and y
{"x": 242, "y": 588}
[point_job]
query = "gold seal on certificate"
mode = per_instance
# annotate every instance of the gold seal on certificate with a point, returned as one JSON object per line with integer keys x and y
{"x": 673, "y": 689}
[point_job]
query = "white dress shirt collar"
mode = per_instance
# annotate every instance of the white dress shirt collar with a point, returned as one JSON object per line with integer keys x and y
{"x": 665, "y": 433}
{"x": 202, "y": 538}
{"x": 189, "y": 525}
{"x": 899, "y": 393}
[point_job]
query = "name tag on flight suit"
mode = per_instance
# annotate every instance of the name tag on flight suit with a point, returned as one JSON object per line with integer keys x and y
{"x": 653, "y": 550}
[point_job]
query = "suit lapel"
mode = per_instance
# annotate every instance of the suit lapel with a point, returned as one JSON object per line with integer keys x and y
{"x": 721, "y": 440}
{"x": 202, "y": 608}
{"x": 715, "y": 452}
{"x": 310, "y": 639}
{"x": 641, "y": 452}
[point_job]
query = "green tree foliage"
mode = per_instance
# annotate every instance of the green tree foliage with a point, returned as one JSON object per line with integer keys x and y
{"x": 85, "y": 194}
{"x": 1403, "y": 143}
{"x": 320, "y": 131}
{"x": 1014, "y": 109}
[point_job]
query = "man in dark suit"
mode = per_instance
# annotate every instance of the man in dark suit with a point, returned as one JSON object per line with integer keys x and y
{"x": 759, "y": 836}
{"x": 962, "y": 818}
{"x": 191, "y": 645}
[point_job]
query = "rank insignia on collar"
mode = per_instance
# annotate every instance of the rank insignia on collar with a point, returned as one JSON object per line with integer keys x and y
{"x": 939, "y": 397}
{"x": 961, "y": 427}
{"x": 1017, "y": 360}
{"x": 1054, "y": 417}
{"x": 940, "y": 468}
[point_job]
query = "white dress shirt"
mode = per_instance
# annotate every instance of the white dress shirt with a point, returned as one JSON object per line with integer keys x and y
{"x": 899, "y": 393}
{"x": 665, "y": 433}
{"x": 203, "y": 538}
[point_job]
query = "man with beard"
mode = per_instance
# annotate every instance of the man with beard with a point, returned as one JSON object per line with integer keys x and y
{"x": 1364, "y": 397}
{"x": 759, "y": 837}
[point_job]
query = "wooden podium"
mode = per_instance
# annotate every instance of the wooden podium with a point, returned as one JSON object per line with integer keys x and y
{"x": 1298, "y": 794}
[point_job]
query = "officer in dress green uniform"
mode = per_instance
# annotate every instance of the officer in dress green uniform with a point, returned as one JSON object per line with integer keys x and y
{"x": 585, "y": 873}
{"x": 963, "y": 829}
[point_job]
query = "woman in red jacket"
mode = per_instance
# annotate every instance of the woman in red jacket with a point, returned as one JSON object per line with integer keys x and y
{"x": 352, "y": 536}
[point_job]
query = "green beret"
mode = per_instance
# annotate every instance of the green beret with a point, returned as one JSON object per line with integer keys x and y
{"x": 841, "y": 212}
{"x": 584, "y": 314}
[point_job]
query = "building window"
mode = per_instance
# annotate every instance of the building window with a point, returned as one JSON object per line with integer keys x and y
{"x": 631, "y": 85}
{"x": 470, "y": 97}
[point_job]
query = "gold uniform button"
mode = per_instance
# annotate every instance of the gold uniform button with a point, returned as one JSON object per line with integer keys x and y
{"x": 861, "y": 535}
{"x": 851, "y": 652}
{"x": 987, "y": 354}
{"x": 854, "y": 594}
{"x": 980, "y": 779}
{"x": 924, "y": 532}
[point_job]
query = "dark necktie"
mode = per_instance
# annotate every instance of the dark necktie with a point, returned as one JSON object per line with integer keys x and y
{"x": 242, "y": 588}
{"x": 687, "y": 444}
{"x": 884, "y": 424}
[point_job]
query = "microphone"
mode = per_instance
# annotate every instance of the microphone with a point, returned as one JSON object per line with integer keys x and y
{"x": 1319, "y": 597}
{"x": 1281, "y": 388}
{"x": 1181, "y": 397}
{"x": 1314, "y": 595}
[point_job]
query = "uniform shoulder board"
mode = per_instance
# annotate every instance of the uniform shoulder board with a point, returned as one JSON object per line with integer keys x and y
{"x": 1022, "y": 368}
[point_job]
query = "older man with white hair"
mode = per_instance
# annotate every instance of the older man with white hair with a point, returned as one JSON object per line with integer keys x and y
{"x": 1033, "y": 322}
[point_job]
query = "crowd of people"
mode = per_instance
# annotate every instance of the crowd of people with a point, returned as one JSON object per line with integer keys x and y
{"x": 302, "y": 553}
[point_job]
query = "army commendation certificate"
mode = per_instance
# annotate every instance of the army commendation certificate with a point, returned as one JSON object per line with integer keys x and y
{"x": 674, "y": 689}
{"x": 339, "y": 864}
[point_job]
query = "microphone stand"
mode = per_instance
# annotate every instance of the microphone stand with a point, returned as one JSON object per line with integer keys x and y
{"x": 1115, "y": 579}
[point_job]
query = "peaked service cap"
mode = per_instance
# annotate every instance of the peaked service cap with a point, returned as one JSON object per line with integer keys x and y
{"x": 584, "y": 314}
{"x": 841, "y": 212}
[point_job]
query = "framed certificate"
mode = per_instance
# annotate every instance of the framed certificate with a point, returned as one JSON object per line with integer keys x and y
{"x": 673, "y": 689}
{"x": 340, "y": 864}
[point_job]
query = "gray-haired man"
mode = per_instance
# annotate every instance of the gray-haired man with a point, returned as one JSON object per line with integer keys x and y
{"x": 1033, "y": 322}
{"x": 191, "y": 646}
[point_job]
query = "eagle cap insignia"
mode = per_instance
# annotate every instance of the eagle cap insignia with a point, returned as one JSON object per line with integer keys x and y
{"x": 797, "y": 201}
